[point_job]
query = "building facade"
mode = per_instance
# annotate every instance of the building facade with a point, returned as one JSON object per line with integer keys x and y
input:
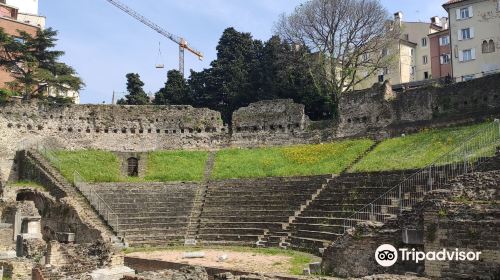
{"x": 410, "y": 56}
{"x": 440, "y": 48}
{"x": 11, "y": 26}
{"x": 475, "y": 37}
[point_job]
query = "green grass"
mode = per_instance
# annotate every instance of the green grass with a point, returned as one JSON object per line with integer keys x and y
{"x": 298, "y": 260}
{"x": 301, "y": 160}
{"x": 26, "y": 184}
{"x": 102, "y": 166}
{"x": 94, "y": 166}
{"x": 416, "y": 150}
{"x": 176, "y": 166}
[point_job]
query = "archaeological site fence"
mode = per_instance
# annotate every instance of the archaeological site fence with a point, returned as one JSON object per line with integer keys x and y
{"x": 464, "y": 158}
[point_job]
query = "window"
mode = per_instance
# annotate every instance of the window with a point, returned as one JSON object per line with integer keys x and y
{"x": 498, "y": 6}
{"x": 465, "y": 13}
{"x": 411, "y": 52}
{"x": 445, "y": 59}
{"x": 365, "y": 57}
{"x": 385, "y": 52}
{"x": 485, "y": 47}
{"x": 425, "y": 59}
{"x": 467, "y": 55}
{"x": 426, "y": 75}
{"x": 413, "y": 70}
{"x": 386, "y": 70}
{"x": 406, "y": 37}
{"x": 465, "y": 34}
{"x": 444, "y": 40}
{"x": 380, "y": 78}
{"x": 424, "y": 42}
{"x": 491, "y": 45}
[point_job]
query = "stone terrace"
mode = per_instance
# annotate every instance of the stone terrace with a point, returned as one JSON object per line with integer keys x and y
{"x": 153, "y": 214}
{"x": 241, "y": 212}
{"x": 322, "y": 221}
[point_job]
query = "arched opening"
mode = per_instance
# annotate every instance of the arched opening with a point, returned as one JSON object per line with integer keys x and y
{"x": 485, "y": 47}
{"x": 491, "y": 45}
{"x": 133, "y": 167}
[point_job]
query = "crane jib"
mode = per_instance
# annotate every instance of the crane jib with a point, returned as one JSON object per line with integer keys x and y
{"x": 176, "y": 39}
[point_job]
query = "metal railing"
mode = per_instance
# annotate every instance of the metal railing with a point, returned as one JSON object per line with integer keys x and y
{"x": 96, "y": 201}
{"x": 463, "y": 159}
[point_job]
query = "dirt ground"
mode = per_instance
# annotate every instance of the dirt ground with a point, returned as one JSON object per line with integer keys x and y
{"x": 243, "y": 261}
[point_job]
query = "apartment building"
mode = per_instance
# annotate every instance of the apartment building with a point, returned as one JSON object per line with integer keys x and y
{"x": 27, "y": 11}
{"x": 474, "y": 37}
{"x": 11, "y": 26}
{"x": 410, "y": 55}
{"x": 441, "y": 54}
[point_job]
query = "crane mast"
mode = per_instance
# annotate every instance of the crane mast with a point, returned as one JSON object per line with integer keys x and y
{"x": 183, "y": 45}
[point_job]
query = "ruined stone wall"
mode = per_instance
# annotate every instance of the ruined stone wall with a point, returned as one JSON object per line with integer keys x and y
{"x": 381, "y": 112}
{"x": 276, "y": 122}
{"x": 116, "y": 128}
{"x": 465, "y": 217}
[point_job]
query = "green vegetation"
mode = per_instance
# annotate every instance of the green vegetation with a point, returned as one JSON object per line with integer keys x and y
{"x": 102, "y": 166}
{"x": 176, "y": 166}
{"x": 94, "y": 166}
{"x": 299, "y": 160}
{"x": 26, "y": 184}
{"x": 298, "y": 260}
{"x": 415, "y": 151}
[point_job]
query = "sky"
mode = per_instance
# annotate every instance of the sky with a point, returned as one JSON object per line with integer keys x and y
{"x": 103, "y": 43}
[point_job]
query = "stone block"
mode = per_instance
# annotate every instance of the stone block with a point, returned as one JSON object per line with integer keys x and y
{"x": 114, "y": 273}
{"x": 413, "y": 236}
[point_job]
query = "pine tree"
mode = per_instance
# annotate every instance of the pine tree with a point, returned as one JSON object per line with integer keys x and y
{"x": 175, "y": 92}
{"x": 136, "y": 95}
{"x": 34, "y": 64}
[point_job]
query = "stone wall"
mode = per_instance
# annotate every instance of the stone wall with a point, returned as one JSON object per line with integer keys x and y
{"x": 463, "y": 215}
{"x": 380, "y": 112}
{"x": 377, "y": 112}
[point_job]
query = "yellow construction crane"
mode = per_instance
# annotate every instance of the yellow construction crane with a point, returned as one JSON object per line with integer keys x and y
{"x": 183, "y": 44}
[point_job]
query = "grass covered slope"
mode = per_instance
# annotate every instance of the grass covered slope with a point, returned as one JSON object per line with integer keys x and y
{"x": 102, "y": 166}
{"x": 301, "y": 160}
{"x": 94, "y": 166}
{"x": 170, "y": 166}
{"x": 416, "y": 150}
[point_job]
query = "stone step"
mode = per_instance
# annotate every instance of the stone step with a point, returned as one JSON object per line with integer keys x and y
{"x": 316, "y": 227}
{"x": 250, "y": 231}
{"x": 309, "y": 245}
{"x": 154, "y": 231}
{"x": 228, "y": 237}
{"x": 139, "y": 225}
{"x": 263, "y": 225}
{"x": 321, "y": 235}
{"x": 173, "y": 208}
{"x": 210, "y": 213}
{"x": 254, "y": 202}
{"x": 139, "y": 215}
{"x": 270, "y": 197}
{"x": 320, "y": 220}
{"x": 254, "y": 219}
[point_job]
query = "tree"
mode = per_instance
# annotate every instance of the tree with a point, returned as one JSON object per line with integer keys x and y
{"x": 34, "y": 64}
{"x": 136, "y": 95}
{"x": 284, "y": 73}
{"x": 175, "y": 92}
{"x": 347, "y": 37}
{"x": 230, "y": 73}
